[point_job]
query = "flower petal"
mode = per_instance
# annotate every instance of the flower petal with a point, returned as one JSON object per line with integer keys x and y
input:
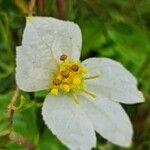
{"x": 68, "y": 122}
{"x": 115, "y": 82}
{"x": 60, "y": 37}
{"x": 34, "y": 68}
{"x": 108, "y": 119}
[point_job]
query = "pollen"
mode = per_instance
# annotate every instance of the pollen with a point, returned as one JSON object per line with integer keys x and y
{"x": 54, "y": 91}
{"x": 68, "y": 78}
{"x": 84, "y": 70}
{"x": 76, "y": 81}
{"x": 66, "y": 88}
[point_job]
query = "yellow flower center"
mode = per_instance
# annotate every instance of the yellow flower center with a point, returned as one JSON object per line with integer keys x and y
{"x": 69, "y": 78}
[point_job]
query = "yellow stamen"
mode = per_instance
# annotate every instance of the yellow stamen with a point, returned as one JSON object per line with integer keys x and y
{"x": 54, "y": 91}
{"x": 84, "y": 70}
{"x": 59, "y": 77}
{"x": 66, "y": 88}
{"x": 65, "y": 74}
{"x": 76, "y": 81}
{"x": 69, "y": 77}
{"x": 63, "y": 57}
{"x": 56, "y": 82}
{"x": 75, "y": 99}
{"x": 89, "y": 93}
{"x": 91, "y": 77}
{"x": 75, "y": 68}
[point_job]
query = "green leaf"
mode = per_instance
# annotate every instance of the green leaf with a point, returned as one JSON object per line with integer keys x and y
{"x": 25, "y": 124}
{"x": 4, "y": 101}
{"x": 130, "y": 42}
{"x": 49, "y": 141}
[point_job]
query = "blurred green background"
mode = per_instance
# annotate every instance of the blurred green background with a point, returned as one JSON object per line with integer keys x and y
{"x": 118, "y": 29}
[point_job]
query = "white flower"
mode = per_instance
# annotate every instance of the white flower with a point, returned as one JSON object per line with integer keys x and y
{"x": 84, "y": 97}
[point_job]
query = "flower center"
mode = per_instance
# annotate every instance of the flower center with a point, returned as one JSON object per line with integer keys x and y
{"x": 68, "y": 77}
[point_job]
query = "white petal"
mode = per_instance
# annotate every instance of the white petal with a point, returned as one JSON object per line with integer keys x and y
{"x": 60, "y": 37}
{"x": 115, "y": 82}
{"x": 109, "y": 120}
{"x": 68, "y": 122}
{"x": 34, "y": 68}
